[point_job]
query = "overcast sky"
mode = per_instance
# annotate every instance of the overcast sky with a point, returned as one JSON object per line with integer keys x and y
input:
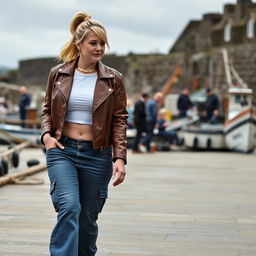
{"x": 39, "y": 28}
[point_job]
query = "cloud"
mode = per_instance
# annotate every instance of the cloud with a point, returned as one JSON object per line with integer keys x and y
{"x": 31, "y": 28}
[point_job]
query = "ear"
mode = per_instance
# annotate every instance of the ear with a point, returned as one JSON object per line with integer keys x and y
{"x": 78, "y": 46}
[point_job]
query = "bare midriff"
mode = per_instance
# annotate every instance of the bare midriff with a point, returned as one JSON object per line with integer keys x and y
{"x": 78, "y": 131}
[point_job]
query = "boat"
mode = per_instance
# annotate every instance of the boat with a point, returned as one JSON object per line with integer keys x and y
{"x": 204, "y": 137}
{"x": 14, "y": 133}
{"x": 240, "y": 128}
{"x": 238, "y": 133}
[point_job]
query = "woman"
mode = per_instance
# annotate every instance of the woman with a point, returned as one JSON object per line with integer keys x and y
{"x": 84, "y": 116}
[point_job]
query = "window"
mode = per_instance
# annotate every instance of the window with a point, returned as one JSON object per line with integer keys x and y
{"x": 227, "y": 32}
{"x": 250, "y": 28}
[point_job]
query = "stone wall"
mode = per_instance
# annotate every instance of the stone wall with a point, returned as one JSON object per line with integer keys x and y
{"x": 35, "y": 71}
{"x": 148, "y": 73}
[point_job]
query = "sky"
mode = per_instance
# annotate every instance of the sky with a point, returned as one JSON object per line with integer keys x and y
{"x": 39, "y": 28}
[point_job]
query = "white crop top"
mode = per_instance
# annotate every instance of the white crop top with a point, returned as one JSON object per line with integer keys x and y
{"x": 81, "y": 98}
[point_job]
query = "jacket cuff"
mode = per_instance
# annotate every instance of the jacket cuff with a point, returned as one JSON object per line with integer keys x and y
{"x": 42, "y": 135}
{"x": 124, "y": 159}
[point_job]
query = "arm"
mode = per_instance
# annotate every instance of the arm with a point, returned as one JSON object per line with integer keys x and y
{"x": 119, "y": 126}
{"x": 119, "y": 120}
{"x": 46, "y": 124}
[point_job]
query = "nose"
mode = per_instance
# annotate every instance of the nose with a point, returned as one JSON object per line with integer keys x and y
{"x": 98, "y": 47}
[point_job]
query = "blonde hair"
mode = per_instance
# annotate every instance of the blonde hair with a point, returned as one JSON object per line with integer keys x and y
{"x": 81, "y": 24}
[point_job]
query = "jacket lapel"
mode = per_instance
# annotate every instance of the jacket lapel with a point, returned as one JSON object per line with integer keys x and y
{"x": 102, "y": 88}
{"x": 66, "y": 80}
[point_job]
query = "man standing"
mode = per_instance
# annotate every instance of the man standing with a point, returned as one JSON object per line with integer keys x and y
{"x": 211, "y": 107}
{"x": 24, "y": 102}
{"x": 151, "y": 119}
{"x": 184, "y": 103}
{"x": 139, "y": 120}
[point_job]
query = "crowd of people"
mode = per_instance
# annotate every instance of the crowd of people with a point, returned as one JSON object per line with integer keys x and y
{"x": 145, "y": 116}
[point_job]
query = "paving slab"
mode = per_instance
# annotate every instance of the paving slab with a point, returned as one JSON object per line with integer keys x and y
{"x": 177, "y": 203}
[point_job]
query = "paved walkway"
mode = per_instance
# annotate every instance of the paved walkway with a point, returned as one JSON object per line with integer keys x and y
{"x": 172, "y": 204}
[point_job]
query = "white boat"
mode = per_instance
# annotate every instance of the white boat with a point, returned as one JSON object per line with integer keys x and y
{"x": 240, "y": 128}
{"x": 237, "y": 134}
{"x": 204, "y": 137}
{"x": 176, "y": 125}
{"x": 9, "y": 132}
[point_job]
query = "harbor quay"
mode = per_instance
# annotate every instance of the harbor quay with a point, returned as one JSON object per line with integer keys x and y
{"x": 178, "y": 203}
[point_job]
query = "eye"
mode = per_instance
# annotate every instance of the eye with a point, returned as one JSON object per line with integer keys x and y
{"x": 102, "y": 44}
{"x": 93, "y": 43}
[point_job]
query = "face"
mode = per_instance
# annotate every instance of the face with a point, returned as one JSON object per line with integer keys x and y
{"x": 91, "y": 49}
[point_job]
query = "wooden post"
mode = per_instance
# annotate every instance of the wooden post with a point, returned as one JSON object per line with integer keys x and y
{"x": 32, "y": 170}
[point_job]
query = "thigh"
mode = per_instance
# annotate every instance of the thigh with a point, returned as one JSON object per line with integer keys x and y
{"x": 94, "y": 172}
{"x": 64, "y": 185}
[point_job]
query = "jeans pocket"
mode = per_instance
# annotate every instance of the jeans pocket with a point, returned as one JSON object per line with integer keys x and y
{"x": 54, "y": 195}
{"x": 103, "y": 195}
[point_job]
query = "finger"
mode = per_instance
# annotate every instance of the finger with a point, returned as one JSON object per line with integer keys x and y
{"x": 59, "y": 144}
{"x": 118, "y": 181}
{"x": 120, "y": 178}
{"x": 114, "y": 172}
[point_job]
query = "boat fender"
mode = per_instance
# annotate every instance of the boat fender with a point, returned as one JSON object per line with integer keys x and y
{"x": 180, "y": 141}
{"x": 4, "y": 164}
{"x": 209, "y": 143}
{"x": 195, "y": 143}
{"x": 32, "y": 162}
{"x": 15, "y": 159}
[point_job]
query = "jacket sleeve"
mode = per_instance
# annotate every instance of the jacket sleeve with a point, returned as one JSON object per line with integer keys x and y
{"x": 46, "y": 124}
{"x": 119, "y": 120}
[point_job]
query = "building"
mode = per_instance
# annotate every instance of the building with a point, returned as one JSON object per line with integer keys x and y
{"x": 202, "y": 42}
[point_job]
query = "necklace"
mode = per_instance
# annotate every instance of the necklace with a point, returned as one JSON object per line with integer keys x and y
{"x": 89, "y": 70}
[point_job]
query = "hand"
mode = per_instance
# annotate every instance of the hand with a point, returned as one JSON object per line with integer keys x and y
{"x": 118, "y": 172}
{"x": 216, "y": 112}
{"x": 51, "y": 142}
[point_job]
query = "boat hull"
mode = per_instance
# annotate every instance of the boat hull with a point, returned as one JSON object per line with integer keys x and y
{"x": 240, "y": 131}
{"x": 204, "y": 137}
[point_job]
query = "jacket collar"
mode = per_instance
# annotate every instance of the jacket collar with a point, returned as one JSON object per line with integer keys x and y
{"x": 103, "y": 71}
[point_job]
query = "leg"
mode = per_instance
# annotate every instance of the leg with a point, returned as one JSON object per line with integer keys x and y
{"x": 23, "y": 116}
{"x": 94, "y": 170}
{"x": 65, "y": 197}
{"x": 137, "y": 138}
{"x": 150, "y": 134}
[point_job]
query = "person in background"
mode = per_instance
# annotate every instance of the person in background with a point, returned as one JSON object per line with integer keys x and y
{"x": 211, "y": 107}
{"x": 139, "y": 121}
{"x": 151, "y": 119}
{"x": 162, "y": 124}
{"x": 130, "y": 110}
{"x": 84, "y": 119}
{"x": 24, "y": 103}
{"x": 184, "y": 103}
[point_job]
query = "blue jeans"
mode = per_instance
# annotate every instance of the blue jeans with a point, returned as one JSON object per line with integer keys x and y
{"x": 79, "y": 177}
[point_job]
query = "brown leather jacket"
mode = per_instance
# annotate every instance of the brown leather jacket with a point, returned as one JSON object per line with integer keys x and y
{"x": 109, "y": 106}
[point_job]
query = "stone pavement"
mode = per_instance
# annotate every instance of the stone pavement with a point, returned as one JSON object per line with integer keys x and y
{"x": 171, "y": 204}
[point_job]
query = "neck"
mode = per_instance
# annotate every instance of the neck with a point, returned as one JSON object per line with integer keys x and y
{"x": 86, "y": 68}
